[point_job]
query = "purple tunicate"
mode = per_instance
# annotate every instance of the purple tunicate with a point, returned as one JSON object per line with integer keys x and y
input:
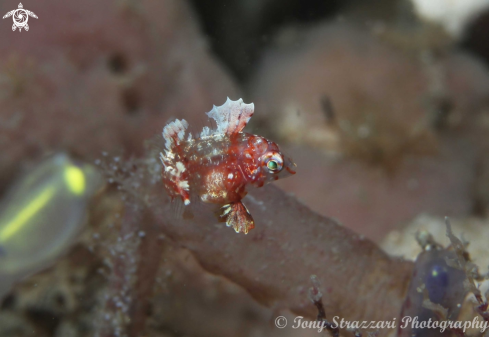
{"x": 443, "y": 285}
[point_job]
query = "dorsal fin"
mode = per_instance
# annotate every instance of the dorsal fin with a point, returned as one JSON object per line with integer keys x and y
{"x": 232, "y": 116}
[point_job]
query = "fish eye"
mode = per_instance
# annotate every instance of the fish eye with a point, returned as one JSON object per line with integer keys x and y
{"x": 272, "y": 165}
{"x": 274, "y": 162}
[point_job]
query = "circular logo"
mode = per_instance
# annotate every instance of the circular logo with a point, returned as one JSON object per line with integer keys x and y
{"x": 280, "y": 322}
{"x": 20, "y": 17}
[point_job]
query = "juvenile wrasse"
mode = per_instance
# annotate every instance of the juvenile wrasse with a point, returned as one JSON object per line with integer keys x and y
{"x": 219, "y": 165}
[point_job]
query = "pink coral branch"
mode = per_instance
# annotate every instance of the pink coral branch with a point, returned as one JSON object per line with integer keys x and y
{"x": 290, "y": 243}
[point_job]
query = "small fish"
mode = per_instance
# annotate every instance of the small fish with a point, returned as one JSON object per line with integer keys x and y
{"x": 219, "y": 165}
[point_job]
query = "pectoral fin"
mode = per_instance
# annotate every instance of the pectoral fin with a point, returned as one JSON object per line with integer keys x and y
{"x": 237, "y": 216}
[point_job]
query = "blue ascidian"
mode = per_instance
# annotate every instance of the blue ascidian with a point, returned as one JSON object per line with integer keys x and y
{"x": 435, "y": 280}
{"x": 41, "y": 214}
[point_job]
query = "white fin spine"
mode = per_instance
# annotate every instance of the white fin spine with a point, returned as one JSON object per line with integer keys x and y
{"x": 205, "y": 132}
{"x": 174, "y": 133}
{"x": 231, "y": 117}
{"x": 162, "y": 158}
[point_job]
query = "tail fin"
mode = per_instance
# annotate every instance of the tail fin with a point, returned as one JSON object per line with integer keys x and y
{"x": 175, "y": 174}
{"x": 174, "y": 132}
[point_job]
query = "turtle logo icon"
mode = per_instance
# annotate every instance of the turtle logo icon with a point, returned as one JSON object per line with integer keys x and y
{"x": 20, "y": 17}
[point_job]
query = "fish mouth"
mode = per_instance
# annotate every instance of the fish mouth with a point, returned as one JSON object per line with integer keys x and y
{"x": 290, "y": 166}
{"x": 290, "y": 170}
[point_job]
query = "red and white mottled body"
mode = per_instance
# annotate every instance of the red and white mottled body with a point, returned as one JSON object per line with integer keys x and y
{"x": 221, "y": 164}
